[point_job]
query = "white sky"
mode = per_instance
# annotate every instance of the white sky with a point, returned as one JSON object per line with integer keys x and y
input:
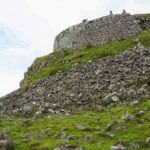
{"x": 28, "y": 28}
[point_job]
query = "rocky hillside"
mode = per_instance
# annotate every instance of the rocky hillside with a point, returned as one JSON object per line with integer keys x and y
{"x": 108, "y": 84}
{"x": 121, "y": 76}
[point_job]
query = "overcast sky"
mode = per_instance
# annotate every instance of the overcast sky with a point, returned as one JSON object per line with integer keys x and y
{"x": 28, "y": 28}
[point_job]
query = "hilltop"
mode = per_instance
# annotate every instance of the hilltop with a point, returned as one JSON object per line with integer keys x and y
{"x": 92, "y": 92}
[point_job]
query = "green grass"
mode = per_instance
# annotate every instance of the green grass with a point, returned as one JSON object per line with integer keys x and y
{"x": 47, "y": 71}
{"x": 63, "y": 60}
{"x": 29, "y": 136}
{"x": 145, "y": 38}
{"x": 98, "y": 52}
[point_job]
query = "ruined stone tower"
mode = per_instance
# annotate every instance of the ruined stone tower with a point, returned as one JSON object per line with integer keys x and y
{"x": 97, "y": 32}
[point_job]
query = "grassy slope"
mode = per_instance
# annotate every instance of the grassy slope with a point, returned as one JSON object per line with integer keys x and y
{"x": 64, "y": 62}
{"x": 27, "y": 135}
{"x": 95, "y": 125}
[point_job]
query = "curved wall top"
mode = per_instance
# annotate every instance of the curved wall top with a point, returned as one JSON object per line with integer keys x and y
{"x": 97, "y": 32}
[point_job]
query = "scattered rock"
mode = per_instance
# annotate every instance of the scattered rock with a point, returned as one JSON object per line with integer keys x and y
{"x": 136, "y": 40}
{"x": 63, "y": 135}
{"x": 115, "y": 99}
{"x": 82, "y": 88}
{"x": 39, "y": 137}
{"x": 134, "y": 103}
{"x": 72, "y": 138}
{"x": 44, "y": 131}
{"x": 128, "y": 117}
{"x": 140, "y": 113}
{"x": 121, "y": 123}
{"x": 110, "y": 135}
{"x": 140, "y": 45}
{"x": 57, "y": 149}
{"x": 5, "y": 142}
{"x": 1, "y": 105}
{"x": 134, "y": 146}
{"x": 65, "y": 142}
{"x": 79, "y": 148}
{"x": 109, "y": 127}
{"x": 118, "y": 147}
{"x": 64, "y": 147}
{"x": 148, "y": 141}
{"x": 87, "y": 138}
{"x": 80, "y": 127}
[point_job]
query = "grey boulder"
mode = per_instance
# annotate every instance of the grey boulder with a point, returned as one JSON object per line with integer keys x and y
{"x": 6, "y": 142}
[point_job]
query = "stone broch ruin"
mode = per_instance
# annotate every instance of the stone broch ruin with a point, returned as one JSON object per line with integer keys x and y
{"x": 97, "y": 83}
{"x": 97, "y": 32}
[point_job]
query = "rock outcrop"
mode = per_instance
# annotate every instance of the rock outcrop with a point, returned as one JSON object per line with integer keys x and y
{"x": 111, "y": 80}
{"x": 108, "y": 81}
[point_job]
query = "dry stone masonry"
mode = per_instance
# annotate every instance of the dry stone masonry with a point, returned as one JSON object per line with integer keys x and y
{"x": 96, "y": 32}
